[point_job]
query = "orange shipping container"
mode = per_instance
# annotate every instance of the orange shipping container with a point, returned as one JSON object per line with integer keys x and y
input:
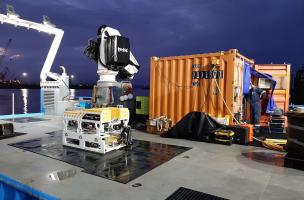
{"x": 211, "y": 83}
{"x": 281, "y": 73}
{"x": 281, "y": 94}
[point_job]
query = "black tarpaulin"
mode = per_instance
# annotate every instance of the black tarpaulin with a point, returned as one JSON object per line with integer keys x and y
{"x": 194, "y": 126}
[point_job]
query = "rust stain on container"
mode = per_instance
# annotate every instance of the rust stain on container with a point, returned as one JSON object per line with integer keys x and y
{"x": 201, "y": 82}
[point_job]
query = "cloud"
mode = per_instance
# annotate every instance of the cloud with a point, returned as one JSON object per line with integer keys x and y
{"x": 79, "y": 48}
{"x": 9, "y": 54}
{"x": 2, "y": 51}
{"x": 74, "y": 4}
{"x": 161, "y": 28}
{"x": 15, "y": 57}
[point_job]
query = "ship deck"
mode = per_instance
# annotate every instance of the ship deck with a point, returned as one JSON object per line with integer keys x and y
{"x": 232, "y": 172}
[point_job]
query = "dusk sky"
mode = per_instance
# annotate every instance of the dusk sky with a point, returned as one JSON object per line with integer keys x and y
{"x": 266, "y": 31}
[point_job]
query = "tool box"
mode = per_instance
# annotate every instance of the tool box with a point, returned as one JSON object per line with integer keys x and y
{"x": 159, "y": 125}
{"x": 6, "y": 130}
{"x": 224, "y": 136}
{"x": 249, "y": 128}
{"x": 243, "y": 133}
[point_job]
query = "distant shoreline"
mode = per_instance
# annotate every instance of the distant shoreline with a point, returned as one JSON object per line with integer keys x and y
{"x": 38, "y": 87}
{"x": 82, "y": 86}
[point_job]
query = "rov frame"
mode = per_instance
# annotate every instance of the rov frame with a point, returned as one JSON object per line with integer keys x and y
{"x": 99, "y": 130}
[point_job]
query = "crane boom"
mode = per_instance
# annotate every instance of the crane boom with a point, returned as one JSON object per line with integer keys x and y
{"x": 54, "y": 93}
{"x": 46, "y": 27}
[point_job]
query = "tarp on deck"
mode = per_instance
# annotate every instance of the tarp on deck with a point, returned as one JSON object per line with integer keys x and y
{"x": 194, "y": 126}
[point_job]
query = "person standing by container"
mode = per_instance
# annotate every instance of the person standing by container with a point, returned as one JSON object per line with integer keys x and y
{"x": 255, "y": 95}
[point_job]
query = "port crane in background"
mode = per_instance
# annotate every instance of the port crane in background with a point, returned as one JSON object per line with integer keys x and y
{"x": 3, "y": 54}
{"x": 4, "y": 70}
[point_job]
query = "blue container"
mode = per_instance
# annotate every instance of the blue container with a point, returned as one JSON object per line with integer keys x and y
{"x": 14, "y": 190}
{"x": 84, "y": 104}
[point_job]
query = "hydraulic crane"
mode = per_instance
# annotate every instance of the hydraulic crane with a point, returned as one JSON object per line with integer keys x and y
{"x": 102, "y": 130}
{"x": 54, "y": 93}
{"x": 116, "y": 66}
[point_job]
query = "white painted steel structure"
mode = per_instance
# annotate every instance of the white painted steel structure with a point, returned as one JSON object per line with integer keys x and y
{"x": 100, "y": 130}
{"x": 41, "y": 27}
{"x": 55, "y": 93}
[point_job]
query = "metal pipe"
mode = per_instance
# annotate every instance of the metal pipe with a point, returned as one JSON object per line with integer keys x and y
{"x": 13, "y": 104}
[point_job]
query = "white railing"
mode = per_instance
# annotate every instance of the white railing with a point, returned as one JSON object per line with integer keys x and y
{"x": 13, "y": 104}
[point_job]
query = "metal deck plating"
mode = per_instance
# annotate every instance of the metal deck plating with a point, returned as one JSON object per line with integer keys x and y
{"x": 218, "y": 170}
{"x": 122, "y": 165}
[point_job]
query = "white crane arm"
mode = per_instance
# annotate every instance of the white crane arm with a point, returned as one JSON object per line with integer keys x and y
{"x": 46, "y": 28}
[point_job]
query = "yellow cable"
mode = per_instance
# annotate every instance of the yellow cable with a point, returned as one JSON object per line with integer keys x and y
{"x": 223, "y": 99}
{"x": 276, "y": 141}
{"x": 272, "y": 146}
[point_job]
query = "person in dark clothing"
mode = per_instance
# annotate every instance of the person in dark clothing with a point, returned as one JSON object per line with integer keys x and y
{"x": 255, "y": 95}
